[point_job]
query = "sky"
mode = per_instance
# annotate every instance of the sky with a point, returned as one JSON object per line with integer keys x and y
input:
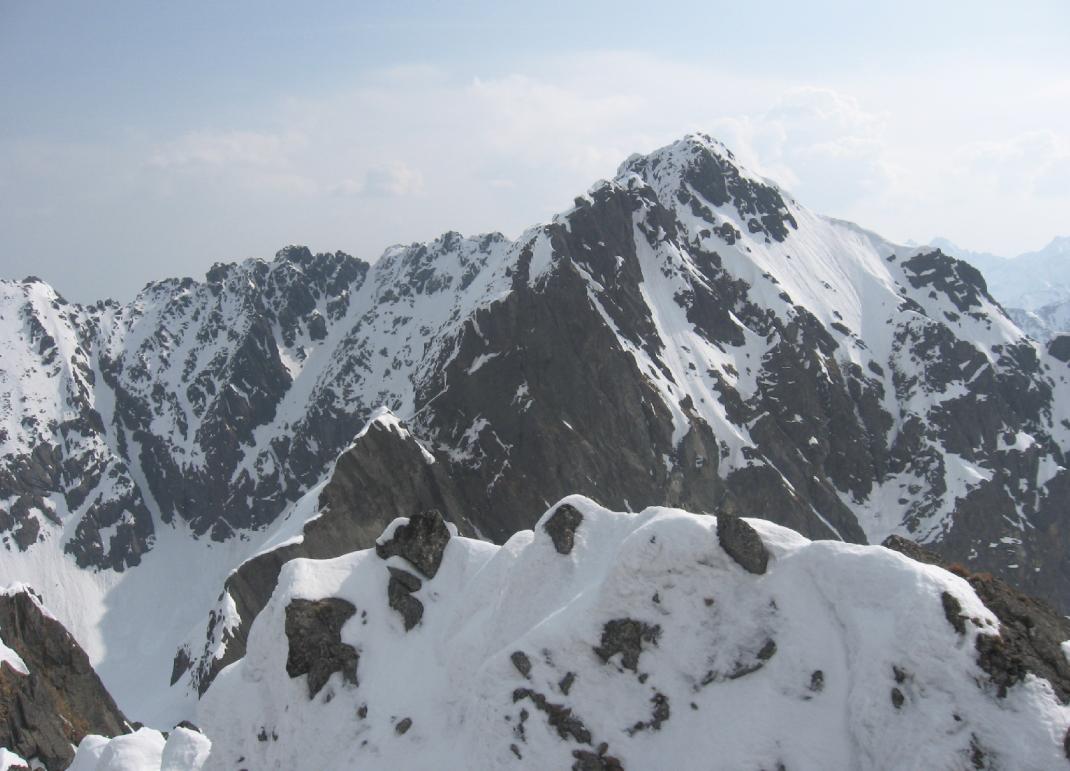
{"x": 142, "y": 140}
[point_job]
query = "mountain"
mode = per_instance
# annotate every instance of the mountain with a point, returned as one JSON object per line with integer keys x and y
{"x": 1034, "y": 287}
{"x": 606, "y": 640}
{"x": 686, "y": 334}
{"x": 1045, "y": 323}
{"x": 991, "y": 265}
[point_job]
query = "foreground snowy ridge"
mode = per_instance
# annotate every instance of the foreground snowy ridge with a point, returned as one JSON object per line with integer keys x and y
{"x": 602, "y": 640}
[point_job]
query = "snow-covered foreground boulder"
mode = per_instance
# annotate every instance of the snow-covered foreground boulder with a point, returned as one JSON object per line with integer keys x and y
{"x": 143, "y": 749}
{"x": 600, "y": 640}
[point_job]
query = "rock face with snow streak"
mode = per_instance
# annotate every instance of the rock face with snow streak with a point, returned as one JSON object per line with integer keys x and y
{"x": 1034, "y": 287}
{"x": 686, "y": 334}
{"x": 361, "y": 498}
{"x": 50, "y": 697}
{"x": 646, "y": 645}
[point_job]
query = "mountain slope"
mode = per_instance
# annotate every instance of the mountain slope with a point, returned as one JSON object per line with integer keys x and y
{"x": 1028, "y": 281}
{"x": 686, "y": 334}
{"x": 1034, "y": 287}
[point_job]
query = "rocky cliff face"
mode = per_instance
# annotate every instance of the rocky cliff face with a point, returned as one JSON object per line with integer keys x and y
{"x": 50, "y": 697}
{"x": 685, "y": 334}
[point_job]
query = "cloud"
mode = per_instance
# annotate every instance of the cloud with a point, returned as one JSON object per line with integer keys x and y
{"x": 226, "y": 148}
{"x": 539, "y": 137}
{"x": 1034, "y": 162}
{"x": 386, "y": 180}
{"x": 817, "y": 142}
{"x": 406, "y": 153}
{"x": 1054, "y": 179}
{"x": 260, "y": 162}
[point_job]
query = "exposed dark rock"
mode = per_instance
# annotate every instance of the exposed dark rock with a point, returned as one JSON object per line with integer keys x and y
{"x": 559, "y": 717}
{"x": 958, "y": 280}
{"x": 46, "y": 713}
{"x": 521, "y": 725}
{"x": 953, "y": 612}
{"x": 180, "y": 665}
{"x": 1030, "y": 632}
{"x": 566, "y": 682}
{"x": 626, "y": 636}
{"x": 746, "y": 667}
{"x": 314, "y": 631}
{"x": 596, "y": 761}
{"x": 399, "y": 594}
{"x": 817, "y": 681}
{"x": 1001, "y": 661}
{"x": 421, "y": 541}
{"x": 403, "y": 726}
{"x": 577, "y": 428}
{"x": 913, "y": 550}
{"x": 719, "y": 182}
{"x": 522, "y": 663}
{"x": 561, "y": 527}
{"x": 660, "y": 713}
{"x": 897, "y": 698}
{"x": 1059, "y": 347}
{"x": 977, "y": 753}
{"x": 742, "y": 543}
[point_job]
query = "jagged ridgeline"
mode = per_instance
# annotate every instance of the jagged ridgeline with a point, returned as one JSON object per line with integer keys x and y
{"x": 686, "y": 334}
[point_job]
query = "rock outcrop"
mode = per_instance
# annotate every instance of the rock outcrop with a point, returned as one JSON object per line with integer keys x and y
{"x": 742, "y": 543}
{"x": 48, "y": 709}
{"x": 1030, "y": 634}
{"x": 313, "y": 633}
{"x": 421, "y": 540}
{"x": 561, "y": 526}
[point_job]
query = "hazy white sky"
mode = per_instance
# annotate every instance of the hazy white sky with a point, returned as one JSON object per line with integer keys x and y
{"x": 140, "y": 139}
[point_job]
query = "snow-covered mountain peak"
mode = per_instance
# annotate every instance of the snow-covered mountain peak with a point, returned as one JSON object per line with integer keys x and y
{"x": 450, "y": 262}
{"x": 679, "y": 154}
{"x": 699, "y": 173}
